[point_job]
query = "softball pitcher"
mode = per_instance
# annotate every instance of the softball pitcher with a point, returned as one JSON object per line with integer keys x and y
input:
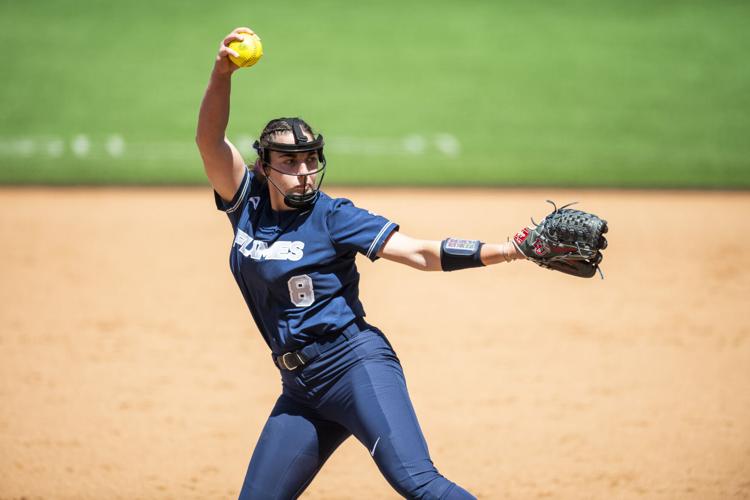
{"x": 293, "y": 257}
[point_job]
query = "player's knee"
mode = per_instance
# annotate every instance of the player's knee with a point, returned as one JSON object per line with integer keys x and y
{"x": 438, "y": 488}
{"x": 412, "y": 474}
{"x": 425, "y": 483}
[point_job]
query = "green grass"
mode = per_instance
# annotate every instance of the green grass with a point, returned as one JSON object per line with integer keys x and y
{"x": 594, "y": 93}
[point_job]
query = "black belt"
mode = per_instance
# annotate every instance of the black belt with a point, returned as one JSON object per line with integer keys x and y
{"x": 295, "y": 359}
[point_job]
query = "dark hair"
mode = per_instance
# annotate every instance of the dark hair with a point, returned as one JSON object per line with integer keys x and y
{"x": 278, "y": 126}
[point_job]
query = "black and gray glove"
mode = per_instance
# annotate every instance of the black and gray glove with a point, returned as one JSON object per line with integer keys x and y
{"x": 567, "y": 240}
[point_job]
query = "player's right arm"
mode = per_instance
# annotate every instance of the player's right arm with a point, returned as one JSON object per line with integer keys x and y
{"x": 222, "y": 162}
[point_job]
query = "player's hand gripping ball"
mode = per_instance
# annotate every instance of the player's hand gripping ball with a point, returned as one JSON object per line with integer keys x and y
{"x": 250, "y": 50}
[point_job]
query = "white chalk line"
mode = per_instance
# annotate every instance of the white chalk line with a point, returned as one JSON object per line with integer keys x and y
{"x": 117, "y": 147}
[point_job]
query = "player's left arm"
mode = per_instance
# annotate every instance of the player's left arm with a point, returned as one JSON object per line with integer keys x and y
{"x": 425, "y": 255}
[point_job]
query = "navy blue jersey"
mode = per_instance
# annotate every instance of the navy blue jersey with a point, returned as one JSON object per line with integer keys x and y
{"x": 296, "y": 268}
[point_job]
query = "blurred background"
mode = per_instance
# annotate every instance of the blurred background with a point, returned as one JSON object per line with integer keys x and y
{"x": 129, "y": 366}
{"x": 573, "y": 93}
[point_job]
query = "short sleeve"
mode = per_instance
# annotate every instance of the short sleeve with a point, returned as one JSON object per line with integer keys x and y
{"x": 234, "y": 207}
{"x": 353, "y": 228}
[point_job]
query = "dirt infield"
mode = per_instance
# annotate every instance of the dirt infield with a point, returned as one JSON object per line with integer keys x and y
{"x": 129, "y": 367}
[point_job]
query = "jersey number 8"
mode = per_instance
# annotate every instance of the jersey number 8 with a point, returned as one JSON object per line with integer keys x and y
{"x": 301, "y": 290}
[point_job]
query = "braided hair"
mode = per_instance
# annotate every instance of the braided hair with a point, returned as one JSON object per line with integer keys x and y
{"x": 275, "y": 127}
{"x": 280, "y": 125}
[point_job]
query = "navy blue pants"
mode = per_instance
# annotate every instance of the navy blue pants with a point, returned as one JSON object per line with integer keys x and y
{"x": 358, "y": 388}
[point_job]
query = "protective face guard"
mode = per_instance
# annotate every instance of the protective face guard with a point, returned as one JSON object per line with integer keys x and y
{"x": 301, "y": 145}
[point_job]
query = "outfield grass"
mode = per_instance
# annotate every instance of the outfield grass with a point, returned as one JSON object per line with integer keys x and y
{"x": 601, "y": 93}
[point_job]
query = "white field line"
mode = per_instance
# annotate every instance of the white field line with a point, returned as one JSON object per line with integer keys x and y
{"x": 117, "y": 147}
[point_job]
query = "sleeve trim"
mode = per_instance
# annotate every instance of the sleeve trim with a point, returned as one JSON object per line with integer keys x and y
{"x": 377, "y": 238}
{"x": 242, "y": 194}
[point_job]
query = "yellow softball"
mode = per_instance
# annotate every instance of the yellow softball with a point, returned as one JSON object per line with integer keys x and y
{"x": 250, "y": 50}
